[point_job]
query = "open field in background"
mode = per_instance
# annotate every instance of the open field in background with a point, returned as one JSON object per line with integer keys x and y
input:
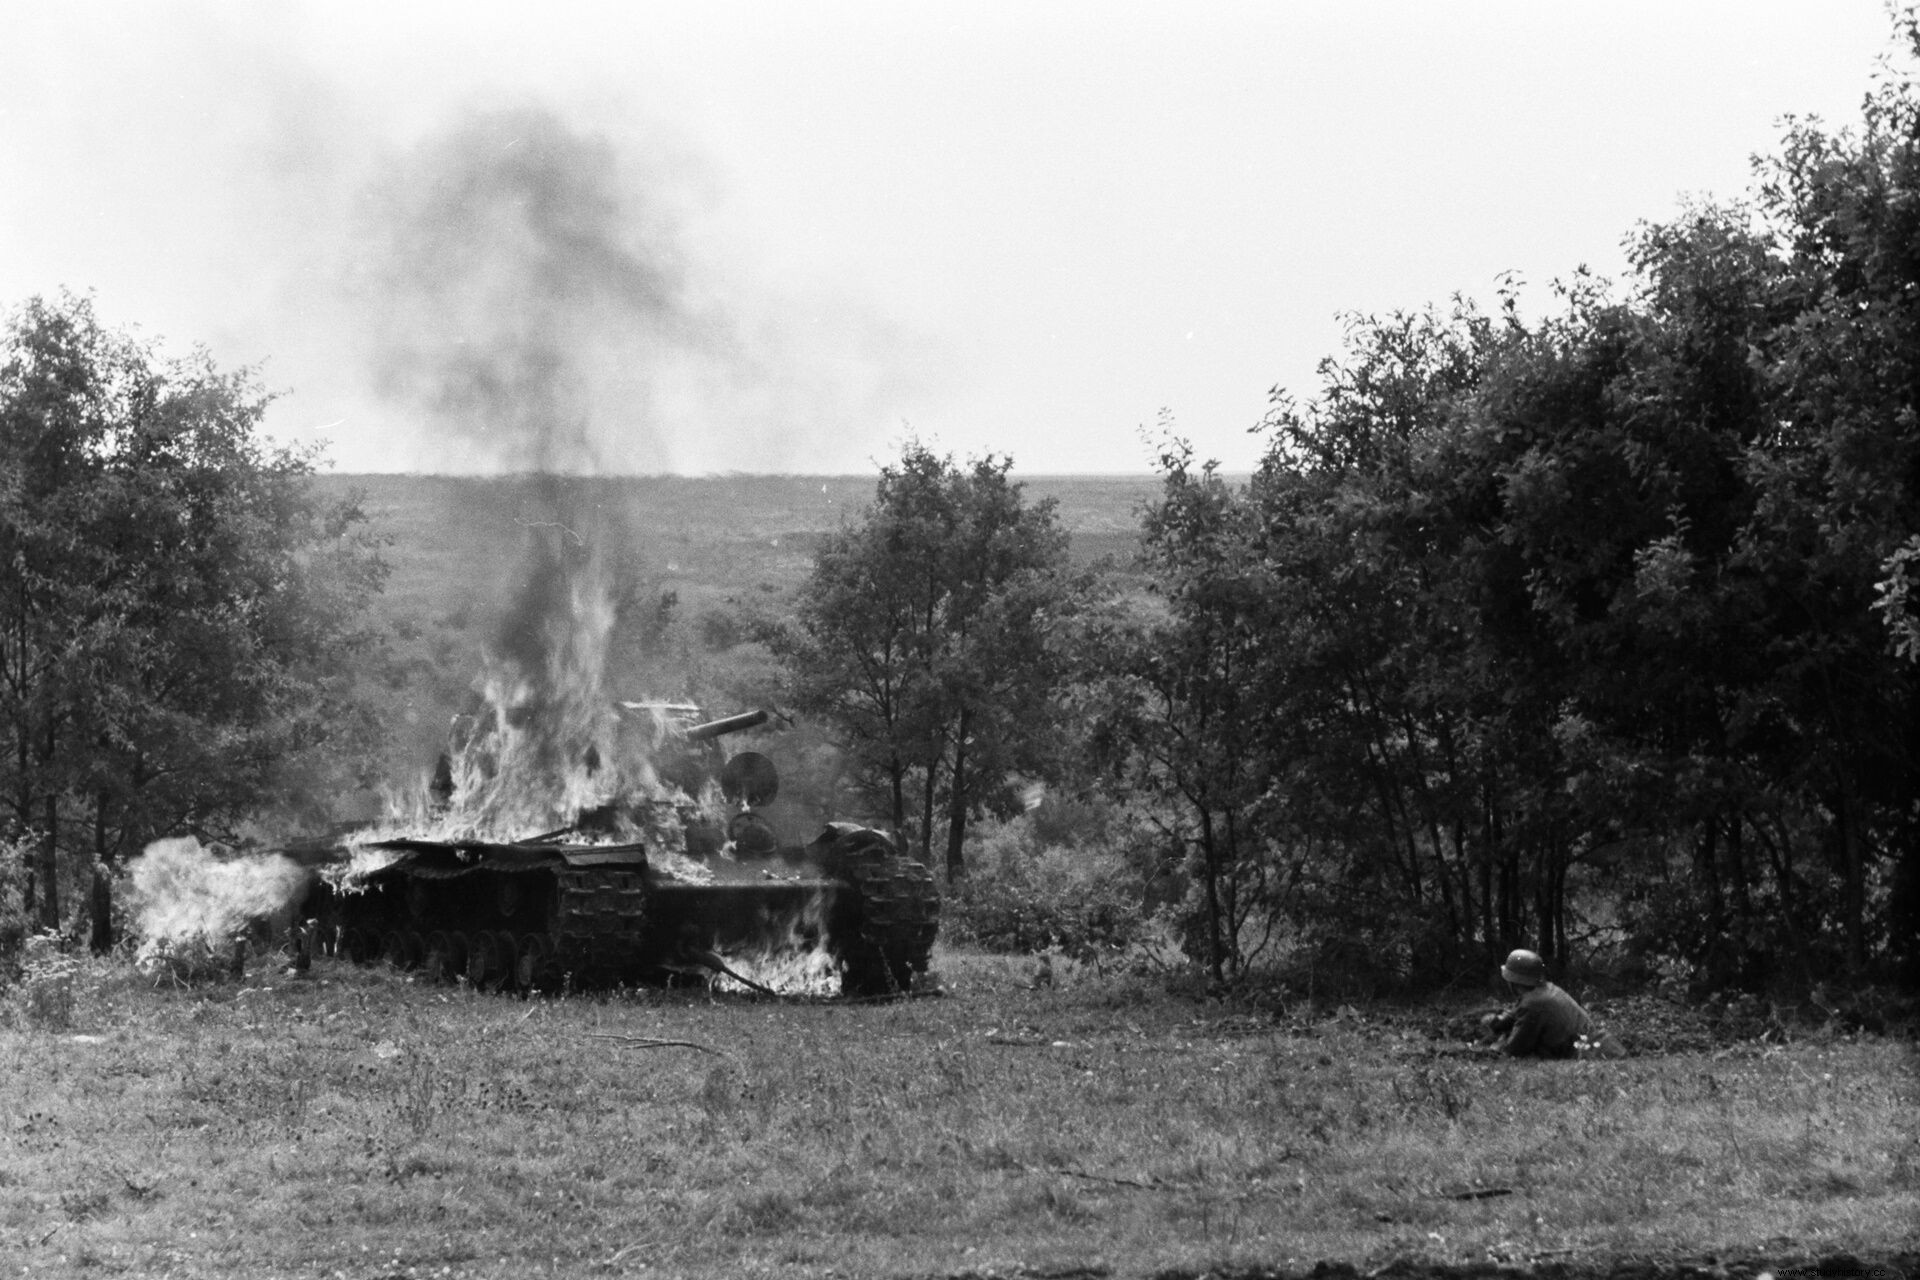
{"x": 458, "y": 539}
{"x": 728, "y": 549}
{"x": 356, "y": 1123}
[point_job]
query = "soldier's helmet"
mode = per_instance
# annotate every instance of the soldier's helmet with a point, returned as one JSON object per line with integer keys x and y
{"x": 1524, "y": 969}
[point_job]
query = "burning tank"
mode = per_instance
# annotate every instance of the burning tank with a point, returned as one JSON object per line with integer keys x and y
{"x": 663, "y": 864}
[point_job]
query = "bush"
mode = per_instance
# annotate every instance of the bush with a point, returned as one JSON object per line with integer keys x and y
{"x": 13, "y": 911}
{"x": 44, "y": 997}
{"x": 1023, "y": 895}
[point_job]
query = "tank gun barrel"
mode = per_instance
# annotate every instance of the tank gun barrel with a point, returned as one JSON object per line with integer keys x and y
{"x": 726, "y": 725}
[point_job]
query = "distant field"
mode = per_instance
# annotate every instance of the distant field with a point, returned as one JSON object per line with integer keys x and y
{"x": 725, "y": 549}
{"x": 458, "y": 539}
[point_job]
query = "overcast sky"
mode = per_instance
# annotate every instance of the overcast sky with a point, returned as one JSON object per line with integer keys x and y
{"x": 708, "y": 237}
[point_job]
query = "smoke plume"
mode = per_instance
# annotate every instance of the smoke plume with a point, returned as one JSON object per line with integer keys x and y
{"x": 525, "y": 288}
{"x": 439, "y": 258}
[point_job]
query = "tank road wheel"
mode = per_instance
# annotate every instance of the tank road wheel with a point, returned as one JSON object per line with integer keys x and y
{"x": 397, "y": 948}
{"x": 896, "y": 916}
{"x": 446, "y": 957}
{"x": 356, "y": 947}
{"x": 505, "y": 971}
{"x": 535, "y": 963}
{"x": 479, "y": 949}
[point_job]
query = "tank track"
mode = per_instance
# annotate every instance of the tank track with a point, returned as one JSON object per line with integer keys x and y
{"x": 599, "y": 921}
{"x": 899, "y": 917}
{"x": 589, "y": 928}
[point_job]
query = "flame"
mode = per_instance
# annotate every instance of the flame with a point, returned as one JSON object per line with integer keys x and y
{"x": 678, "y": 866}
{"x": 363, "y": 859}
{"x": 548, "y": 750}
{"x": 796, "y": 964}
{"x": 801, "y": 971}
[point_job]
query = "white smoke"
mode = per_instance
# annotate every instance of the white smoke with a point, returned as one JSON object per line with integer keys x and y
{"x": 184, "y": 896}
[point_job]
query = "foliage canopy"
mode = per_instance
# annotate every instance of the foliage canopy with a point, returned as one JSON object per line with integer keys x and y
{"x": 932, "y": 635}
{"x": 1592, "y": 630}
{"x": 179, "y": 614}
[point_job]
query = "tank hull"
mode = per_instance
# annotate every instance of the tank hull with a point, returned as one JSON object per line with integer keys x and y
{"x": 555, "y": 915}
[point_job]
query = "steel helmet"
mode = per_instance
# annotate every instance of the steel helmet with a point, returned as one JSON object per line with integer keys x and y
{"x": 1524, "y": 969}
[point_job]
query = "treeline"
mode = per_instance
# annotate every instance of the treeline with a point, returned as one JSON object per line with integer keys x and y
{"x": 1591, "y": 630}
{"x": 1593, "y": 633}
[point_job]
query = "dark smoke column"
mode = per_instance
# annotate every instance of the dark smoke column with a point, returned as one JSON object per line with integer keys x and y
{"x": 519, "y": 293}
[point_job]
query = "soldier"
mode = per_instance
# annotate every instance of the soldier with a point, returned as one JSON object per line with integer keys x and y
{"x": 1546, "y": 1023}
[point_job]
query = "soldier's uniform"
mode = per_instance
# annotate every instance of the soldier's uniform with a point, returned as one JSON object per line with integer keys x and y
{"x": 1547, "y": 1022}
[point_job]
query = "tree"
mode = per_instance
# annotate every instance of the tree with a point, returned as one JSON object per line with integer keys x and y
{"x": 1188, "y": 710}
{"x": 1602, "y": 624}
{"x": 179, "y": 614}
{"x": 930, "y": 635}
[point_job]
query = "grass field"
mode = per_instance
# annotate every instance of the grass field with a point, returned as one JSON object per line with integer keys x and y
{"x": 356, "y": 1123}
{"x": 353, "y": 1122}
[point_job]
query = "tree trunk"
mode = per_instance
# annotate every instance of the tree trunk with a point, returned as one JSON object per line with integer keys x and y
{"x": 1210, "y": 873}
{"x": 1853, "y": 897}
{"x": 100, "y": 937}
{"x": 50, "y": 870}
{"x": 1706, "y": 868}
{"x": 1510, "y": 896}
{"x": 897, "y": 780}
{"x": 1562, "y": 857}
{"x": 1739, "y": 878}
{"x": 1489, "y": 940}
{"x": 1903, "y": 908}
{"x": 957, "y": 808}
{"x": 926, "y": 818}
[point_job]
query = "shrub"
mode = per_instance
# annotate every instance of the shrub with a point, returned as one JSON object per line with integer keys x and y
{"x": 1023, "y": 895}
{"x": 13, "y": 912}
{"x": 44, "y": 997}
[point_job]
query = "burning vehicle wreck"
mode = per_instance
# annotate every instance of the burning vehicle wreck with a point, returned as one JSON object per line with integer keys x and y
{"x": 662, "y": 864}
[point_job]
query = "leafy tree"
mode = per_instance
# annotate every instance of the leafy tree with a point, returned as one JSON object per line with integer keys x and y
{"x": 1392, "y": 712}
{"x": 1188, "y": 707}
{"x": 1608, "y": 615}
{"x": 931, "y": 635}
{"x": 1593, "y": 610}
{"x": 1839, "y": 483}
{"x": 179, "y": 612}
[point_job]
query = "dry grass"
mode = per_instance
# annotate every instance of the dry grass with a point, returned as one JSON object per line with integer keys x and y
{"x": 354, "y": 1123}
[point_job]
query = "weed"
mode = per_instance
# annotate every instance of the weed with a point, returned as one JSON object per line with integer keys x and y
{"x": 1434, "y": 1088}
{"x": 44, "y": 998}
{"x": 720, "y": 1094}
{"x": 764, "y": 1212}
